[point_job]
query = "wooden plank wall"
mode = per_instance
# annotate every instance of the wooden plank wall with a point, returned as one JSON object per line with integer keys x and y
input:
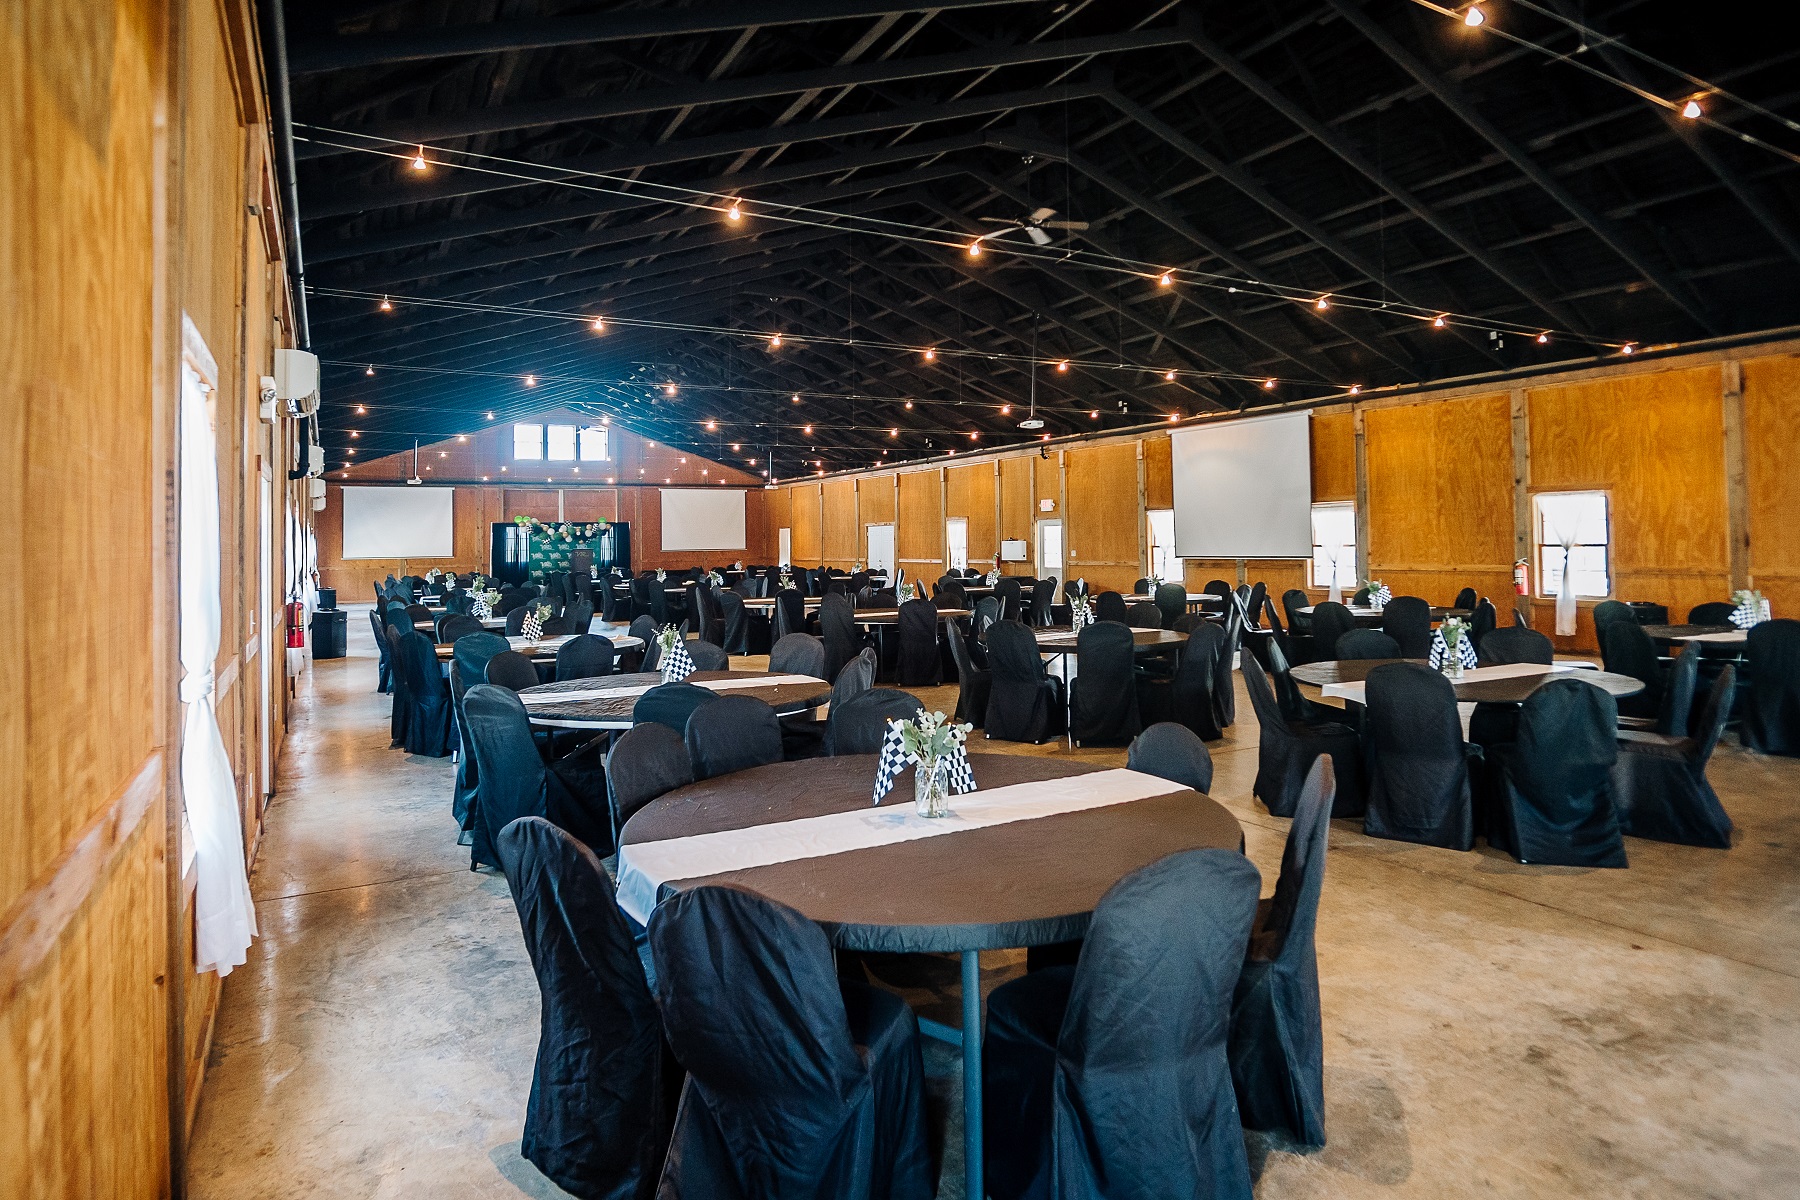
{"x": 136, "y": 150}
{"x": 840, "y": 538}
{"x": 1689, "y": 449}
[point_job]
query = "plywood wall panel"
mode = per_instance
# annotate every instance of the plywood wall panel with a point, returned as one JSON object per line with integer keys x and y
{"x": 1015, "y": 507}
{"x": 919, "y": 537}
{"x": 1333, "y": 457}
{"x": 971, "y": 492}
{"x": 842, "y": 544}
{"x": 1771, "y": 417}
{"x": 1655, "y": 444}
{"x": 1440, "y": 495}
{"x": 805, "y": 517}
{"x": 1159, "y": 477}
{"x": 876, "y": 496}
{"x": 1102, "y": 535}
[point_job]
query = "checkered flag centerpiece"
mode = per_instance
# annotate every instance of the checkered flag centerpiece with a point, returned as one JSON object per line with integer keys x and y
{"x": 676, "y": 663}
{"x": 532, "y": 628}
{"x": 928, "y": 730}
{"x": 993, "y": 577}
{"x": 1380, "y": 596}
{"x": 1440, "y": 650}
{"x": 479, "y": 608}
{"x": 1752, "y": 609}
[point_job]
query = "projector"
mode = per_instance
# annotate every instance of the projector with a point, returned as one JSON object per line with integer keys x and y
{"x": 1032, "y": 423}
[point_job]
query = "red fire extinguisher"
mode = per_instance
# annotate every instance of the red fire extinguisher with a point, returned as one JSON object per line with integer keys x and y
{"x": 296, "y": 626}
{"x": 1522, "y": 577}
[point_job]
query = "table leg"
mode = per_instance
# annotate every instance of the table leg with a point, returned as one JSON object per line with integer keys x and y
{"x": 971, "y": 1049}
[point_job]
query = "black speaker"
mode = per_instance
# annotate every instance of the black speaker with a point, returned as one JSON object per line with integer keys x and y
{"x": 330, "y": 630}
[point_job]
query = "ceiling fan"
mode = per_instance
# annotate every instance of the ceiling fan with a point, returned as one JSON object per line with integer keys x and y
{"x": 1033, "y": 225}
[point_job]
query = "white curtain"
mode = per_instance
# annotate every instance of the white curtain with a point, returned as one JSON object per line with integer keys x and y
{"x": 225, "y": 919}
{"x": 1565, "y": 595}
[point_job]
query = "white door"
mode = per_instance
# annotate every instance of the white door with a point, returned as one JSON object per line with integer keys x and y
{"x": 956, "y": 543}
{"x": 881, "y": 548}
{"x": 1049, "y": 548}
{"x": 265, "y": 624}
{"x": 784, "y": 552}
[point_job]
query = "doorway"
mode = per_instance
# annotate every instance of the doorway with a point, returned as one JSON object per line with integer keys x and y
{"x": 881, "y": 548}
{"x": 1049, "y": 548}
{"x": 784, "y": 547}
{"x": 956, "y": 543}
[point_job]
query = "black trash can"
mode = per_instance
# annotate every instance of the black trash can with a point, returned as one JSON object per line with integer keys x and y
{"x": 327, "y": 598}
{"x": 329, "y": 631}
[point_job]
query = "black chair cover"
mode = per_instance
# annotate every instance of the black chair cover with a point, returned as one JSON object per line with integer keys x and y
{"x": 1368, "y": 643}
{"x": 1192, "y": 691}
{"x": 1173, "y": 752}
{"x": 1550, "y": 794}
{"x": 837, "y": 623}
{"x": 987, "y": 611}
{"x": 736, "y": 622}
{"x": 1224, "y": 689}
{"x": 1042, "y": 593}
{"x": 799, "y": 654}
{"x": 857, "y": 677}
{"x": 1661, "y": 783}
{"x": 790, "y": 612}
{"x": 584, "y": 656}
{"x": 1009, "y": 593}
{"x": 671, "y": 704}
{"x": 1330, "y": 621}
{"x": 1143, "y": 615}
{"x": 644, "y": 762}
{"x": 709, "y": 616}
{"x": 416, "y": 613}
{"x": 384, "y": 673}
{"x": 468, "y": 666}
{"x": 973, "y": 683}
{"x": 1110, "y": 606}
{"x": 643, "y": 628}
{"x": 1678, "y": 693}
{"x": 707, "y": 656}
{"x": 921, "y": 662}
{"x": 1515, "y": 644}
{"x": 1277, "y": 1045}
{"x": 597, "y": 1123}
{"x": 1110, "y": 1078}
{"x": 1103, "y": 705}
{"x": 515, "y": 620}
{"x": 1482, "y": 622}
{"x": 1143, "y": 586}
{"x": 580, "y": 616}
{"x": 859, "y": 725}
{"x": 733, "y": 733}
{"x": 1417, "y": 761}
{"x": 1286, "y": 750}
{"x": 1628, "y": 650}
{"x": 799, "y": 1085}
{"x": 1294, "y": 706}
{"x": 558, "y": 627}
{"x": 949, "y": 593}
{"x": 1407, "y": 619}
{"x": 510, "y": 598}
{"x": 1171, "y": 602}
{"x": 456, "y": 626}
{"x": 1608, "y": 611}
{"x": 510, "y": 669}
{"x": 1466, "y": 598}
{"x": 1772, "y": 711}
{"x": 1713, "y": 612}
{"x": 428, "y": 713}
{"x": 400, "y": 707}
{"x": 1361, "y": 598}
{"x": 1024, "y": 703}
{"x": 514, "y": 782}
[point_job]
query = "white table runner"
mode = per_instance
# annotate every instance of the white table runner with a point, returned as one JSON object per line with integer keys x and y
{"x": 638, "y": 689}
{"x": 1730, "y": 638}
{"x": 646, "y": 866}
{"x": 1355, "y": 691}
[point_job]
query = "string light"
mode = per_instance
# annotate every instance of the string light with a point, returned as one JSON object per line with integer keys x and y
{"x": 531, "y": 381}
{"x": 668, "y": 389}
{"x": 418, "y": 163}
{"x": 1094, "y": 415}
{"x": 360, "y": 410}
{"x": 490, "y": 416}
{"x": 893, "y": 433}
{"x": 734, "y": 213}
{"x": 1474, "y": 16}
{"x": 1692, "y": 110}
{"x": 370, "y": 370}
{"x": 974, "y": 435}
{"x": 1543, "y": 339}
{"x": 909, "y": 404}
{"x": 1167, "y": 279}
{"x": 712, "y": 425}
{"x": 796, "y": 397}
{"x": 1169, "y": 376}
{"x": 930, "y": 354}
{"x": 599, "y": 325}
{"x": 355, "y": 433}
{"x": 1628, "y": 348}
{"x": 1174, "y": 417}
{"x": 387, "y": 305}
{"x": 1063, "y": 365}
{"x": 807, "y": 430}
{"x": 975, "y": 248}
{"x": 462, "y": 437}
{"x": 1006, "y": 410}
{"x": 1439, "y": 323}
{"x": 775, "y": 342}
{"x": 1322, "y": 303}
{"x": 1268, "y": 385}
{"x": 1356, "y": 389}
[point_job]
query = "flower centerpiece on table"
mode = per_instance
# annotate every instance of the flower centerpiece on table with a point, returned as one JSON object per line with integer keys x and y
{"x": 661, "y": 575}
{"x": 1081, "y": 612}
{"x": 533, "y": 626}
{"x": 993, "y": 577}
{"x": 716, "y": 578}
{"x": 937, "y": 747}
{"x": 903, "y": 592}
{"x": 673, "y": 659}
{"x": 1452, "y": 649}
{"x": 1378, "y": 593}
{"x": 1752, "y": 608}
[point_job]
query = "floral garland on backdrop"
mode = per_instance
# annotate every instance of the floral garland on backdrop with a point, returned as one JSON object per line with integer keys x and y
{"x": 567, "y": 531}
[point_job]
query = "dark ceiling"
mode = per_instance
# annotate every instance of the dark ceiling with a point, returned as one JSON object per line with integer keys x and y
{"x": 1371, "y": 152}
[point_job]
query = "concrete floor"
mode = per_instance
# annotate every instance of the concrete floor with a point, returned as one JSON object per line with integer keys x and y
{"x": 1490, "y": 1029}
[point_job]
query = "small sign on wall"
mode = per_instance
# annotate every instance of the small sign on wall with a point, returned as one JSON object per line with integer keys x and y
{"x": 1046, "y": 506}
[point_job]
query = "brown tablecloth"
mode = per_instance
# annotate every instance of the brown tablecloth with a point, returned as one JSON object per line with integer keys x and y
{"x": 1512, "y": 690}
{"x": 615, "y": 712}
{"x": 1027, "y": 883}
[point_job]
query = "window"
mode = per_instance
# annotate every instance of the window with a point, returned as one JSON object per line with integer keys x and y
{"x": 528, "y": 442}
{"x": 1575, "y": 526}
{"x": 1334, "y": 545}
{"x": 956, "y": 541}
{"x": 592, "y": 439}
{"x": 1163, "y": 563}
{"x": 562, "y": 442}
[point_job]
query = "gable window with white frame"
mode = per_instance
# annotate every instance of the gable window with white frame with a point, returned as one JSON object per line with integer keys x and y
{"x": 1163, "y": 563}
{"x": 560, "y": 440}
{"x": 528, "y": 443}
{"x": 591, "y": 439}
{"x": 1573, "y": 528}
{"x": 1334, "y": 545}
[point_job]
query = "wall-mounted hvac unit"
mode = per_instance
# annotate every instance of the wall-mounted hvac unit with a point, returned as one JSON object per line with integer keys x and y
{"x": 297, "y": 381}
{"x": 312, "y": 459}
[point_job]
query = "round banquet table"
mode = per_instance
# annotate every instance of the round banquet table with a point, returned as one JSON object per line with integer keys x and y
{"x": 1024, "y": 883}
{"x": 1061, "y": 639}
{"x": 614, "y": 712}
{"x": 1475, "y": 687}
{"x": 1371, "y": 618}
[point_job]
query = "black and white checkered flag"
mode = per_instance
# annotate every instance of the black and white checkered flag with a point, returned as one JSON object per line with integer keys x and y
{"x": 532, "y": 629}
{"x": 1440, "y": 650}
{"x": 1751, "y": 610}
{"x": 962, "y": 776}
{"x": 1380, "y": 596}
{"x": 677, "y": 664}
{"x": 892, "y": 761}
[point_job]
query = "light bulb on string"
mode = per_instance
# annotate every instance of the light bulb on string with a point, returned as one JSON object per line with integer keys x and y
{"x": 1063, "y": 365}
{"x": 1268, "y": 385}
{"x": 355, "y": 433}
{"x": 1094, "y": 415}
{"x": 1167, "y": 279}
{"x": 712, "y": 425}
{"x": 807, "y": 430}
{"x": 795, "y": 397}
{"x": 1543, "y": 339}
{"x": 1322, "y": 303}
{"x": 930, "y": 354}
{"x": 1473, "y": 16}
{"x": 1692, "y": 110}
{"x": 1006, "y": 410}
{"x": 370, "y": 370}
{"x": 599, "y": 325}
{"x": 975, "y": 248}
{"x": 418, "y": 162}
{"x": 909, "y": 404}
{"x": 360, "y": 410}
{"x": 1439, "y": 322}
{"x": 387, "y": 305}
{"x": 734, "y": 213}
{"x": 1628, "y": 348}
{"x": 775, "y": 341}
{"x": 490, "y": 416}
{"x": 1356, "y": 389}
{"x": 531, "y": 381}
{"x": 1169, "y": 376}
{"x": 668, "y": 389}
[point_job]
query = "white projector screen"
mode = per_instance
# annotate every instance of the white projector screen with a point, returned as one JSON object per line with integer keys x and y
{"x": 694, "y": 519}
{"x": 399, "y": 522}
{"x": 1243, "y": 489}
